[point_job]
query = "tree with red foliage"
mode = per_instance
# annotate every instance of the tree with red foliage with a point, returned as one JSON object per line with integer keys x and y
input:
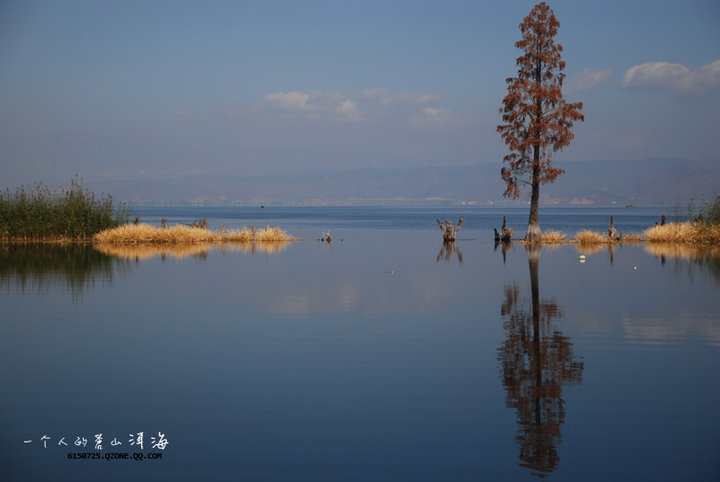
{"x": 537, "y": 120}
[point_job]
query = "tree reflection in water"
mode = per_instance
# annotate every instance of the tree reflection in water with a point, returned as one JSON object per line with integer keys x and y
{"x": 536, "y": 360}
{"x": 447, "y": 250}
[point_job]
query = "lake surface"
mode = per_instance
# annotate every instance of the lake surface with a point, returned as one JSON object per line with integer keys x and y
{"x": 383, "y": 356}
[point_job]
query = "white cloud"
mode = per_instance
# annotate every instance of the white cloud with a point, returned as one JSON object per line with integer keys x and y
{"x": 314, "y": 105}
{"x": 431, "y": 117}
{"x": 707, "y": 76}
{"x": 288, "y": 100}
{"x": 385, "y": 98}
{"x": 588, "y": 80}
{"x": 337, "y": 106}
{"x": 347, "y": 109}
{"x": 654, "y": 74}
{"x": 673, "y": 76}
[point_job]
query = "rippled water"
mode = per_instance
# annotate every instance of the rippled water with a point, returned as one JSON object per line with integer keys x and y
{"x": 383, "y": 356}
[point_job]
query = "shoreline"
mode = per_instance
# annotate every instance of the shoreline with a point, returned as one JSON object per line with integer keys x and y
{"x": 681, "y": 234}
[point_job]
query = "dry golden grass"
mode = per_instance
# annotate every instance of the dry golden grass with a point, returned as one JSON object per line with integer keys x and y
{"x": 146, "y": 234}
{"x": 590, "y": 237}
{"x": 587, "y": 237}
{"x": 687, "y": 232}
{"x": 633, "y": 238}
{"x": 554, "y": 237}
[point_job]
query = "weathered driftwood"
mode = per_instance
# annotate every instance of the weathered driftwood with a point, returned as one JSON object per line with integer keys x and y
{"x": 506, "y": 233}
{"x": 613, "y": 234}
{"x": 449, "y": 232}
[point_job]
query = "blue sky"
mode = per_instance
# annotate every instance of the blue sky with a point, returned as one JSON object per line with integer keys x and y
{"x": 127, "y": 89}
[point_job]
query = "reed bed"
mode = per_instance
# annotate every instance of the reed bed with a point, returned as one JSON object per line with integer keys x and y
{"x": 686, "y": 232}
{"x": 38, "y": 214}
{"x": 587, "y": 237}
{"x": 633, "y": 238}
{"x": 554, "y": 237}
{"x": 179, "y": 234}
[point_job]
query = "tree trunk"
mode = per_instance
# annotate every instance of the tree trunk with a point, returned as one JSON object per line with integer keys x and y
{"x": 613, "y": 235}
{"x": 534, "y": 234}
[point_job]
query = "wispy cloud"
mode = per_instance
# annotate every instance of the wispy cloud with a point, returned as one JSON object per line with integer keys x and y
{"x": 665, "y": 75}
{"x": 431, "y": 117}
{"x": 298, "y": 101}
{"x": 588, "y": 80}
{"x": 348, "y": 110}
{"x": 418, "y": 109}
{"x": 313, "y": 105}
{"x": 385, "y": 98}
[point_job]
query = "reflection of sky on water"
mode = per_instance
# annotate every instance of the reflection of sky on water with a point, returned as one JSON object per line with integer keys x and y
{"x": 676, "y": 326}
{"x": 363, "y": 360}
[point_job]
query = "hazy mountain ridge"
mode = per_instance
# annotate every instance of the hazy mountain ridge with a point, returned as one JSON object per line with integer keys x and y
{"x": 653, "y": 181}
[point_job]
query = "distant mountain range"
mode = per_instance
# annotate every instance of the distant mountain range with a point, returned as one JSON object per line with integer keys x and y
{"x": 646, "y": 182}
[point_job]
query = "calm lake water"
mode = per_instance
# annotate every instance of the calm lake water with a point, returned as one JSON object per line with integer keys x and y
{"x": 383, "y": 356}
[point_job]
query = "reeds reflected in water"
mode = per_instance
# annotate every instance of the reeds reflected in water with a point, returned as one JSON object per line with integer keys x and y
{"x": 702, "y": 257}
{"x": 38, "y": 267}
{"x": 185, "y": 250}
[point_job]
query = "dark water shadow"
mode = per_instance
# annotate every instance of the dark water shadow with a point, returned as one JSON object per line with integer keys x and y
{"x": 536, "y": 361}
{"x": 37, "y": 267}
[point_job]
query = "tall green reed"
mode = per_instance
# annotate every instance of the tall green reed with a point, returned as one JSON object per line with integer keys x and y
{"x": 38, "y": 214}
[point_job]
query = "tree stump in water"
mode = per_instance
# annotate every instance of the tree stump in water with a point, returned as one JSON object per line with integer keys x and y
{"x": 612, "y": 232}
{"x": 506, "y": 233}
{"x": 448, "y": 230}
